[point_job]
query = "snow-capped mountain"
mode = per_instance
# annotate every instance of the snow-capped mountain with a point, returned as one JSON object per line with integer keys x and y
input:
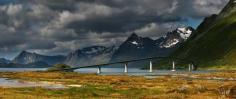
{"x": 136, "y": 47}
{"x": 90, "y": 56}
{"x": 185, "y": 32}
{"x": 28, "y": 58}
{"x": 177, "y": 36}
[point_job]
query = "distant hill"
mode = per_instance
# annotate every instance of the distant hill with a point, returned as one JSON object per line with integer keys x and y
{"x": 27, "y": 58}
{"x": 4, "y": 61}
{"x": 214, "y": 42}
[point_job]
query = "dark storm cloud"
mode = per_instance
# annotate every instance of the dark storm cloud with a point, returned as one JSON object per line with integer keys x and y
{"x": 119, "y": 23}
{"x": 59, "y": 26}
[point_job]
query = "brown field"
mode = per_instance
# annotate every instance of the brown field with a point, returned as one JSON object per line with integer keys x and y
{"x": 121, "y": 87}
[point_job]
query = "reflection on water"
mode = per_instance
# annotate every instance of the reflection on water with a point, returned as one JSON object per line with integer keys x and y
{"x": 137, "y": 71}
{"x": 113, "y": 71}
{"x": 9, "y": 83}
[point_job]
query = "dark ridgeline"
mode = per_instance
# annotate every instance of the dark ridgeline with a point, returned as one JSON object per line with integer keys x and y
{"x": 136, "y": 47}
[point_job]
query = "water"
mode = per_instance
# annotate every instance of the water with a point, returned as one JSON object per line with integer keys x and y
{"x": 137, "y": 71}
{"x": 10, "y": 83}
{"x": 5, "y": 82}
{"x": 112, "y": 71}
{"x": 21, "y": 69}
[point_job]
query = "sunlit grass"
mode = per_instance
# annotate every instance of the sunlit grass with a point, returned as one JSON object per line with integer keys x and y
{"x": 218, "y": 67}
{"x": 128, "y": 87}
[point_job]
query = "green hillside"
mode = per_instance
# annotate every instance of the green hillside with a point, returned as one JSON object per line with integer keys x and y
{"x": 214, "y": 42}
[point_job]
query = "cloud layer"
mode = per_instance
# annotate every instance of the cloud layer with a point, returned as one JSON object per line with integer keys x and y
{"x": 59, "y": 26}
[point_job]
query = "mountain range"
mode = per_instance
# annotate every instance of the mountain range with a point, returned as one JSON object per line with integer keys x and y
{"x": 135, "y": 47}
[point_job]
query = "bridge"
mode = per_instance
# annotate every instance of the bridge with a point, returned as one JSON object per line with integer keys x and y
{"x": 191, "y": 64}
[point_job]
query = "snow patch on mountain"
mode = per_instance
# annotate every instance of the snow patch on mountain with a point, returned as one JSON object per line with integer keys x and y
{"x": 170, "y": 44}
{"x": 135, "y": 42}
{"x": 175, "y": 37}
{"x": 184, "y": 33}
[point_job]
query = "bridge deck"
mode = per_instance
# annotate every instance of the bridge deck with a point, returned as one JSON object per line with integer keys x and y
{"x": 135, "y": 60}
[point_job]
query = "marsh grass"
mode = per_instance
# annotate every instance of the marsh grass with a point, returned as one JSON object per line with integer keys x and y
{"x": 116, "y": 87}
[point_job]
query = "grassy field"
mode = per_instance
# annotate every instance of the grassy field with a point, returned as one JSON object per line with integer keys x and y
{"x": 121, "y": 87}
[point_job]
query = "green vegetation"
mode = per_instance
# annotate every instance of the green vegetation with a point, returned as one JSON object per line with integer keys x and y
{"x": 60, "y": 67}
{"x": 84, "y": 92}
{"x": 214, "y": 45}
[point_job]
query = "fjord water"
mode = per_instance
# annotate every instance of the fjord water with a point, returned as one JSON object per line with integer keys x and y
{"x": 111, "y": 71}
{"x": 82, "y": 70}
{"x": 5, "y": 82}
{"x": 21, "y": 69}
{"x": 138, "y": 72}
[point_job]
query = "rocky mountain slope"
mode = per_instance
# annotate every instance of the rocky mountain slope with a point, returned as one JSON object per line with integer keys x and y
{"x": 214, "y": 42}
{"x": 90, "y": 56}
{"x": 29, "y": 58}
{"x": 136, "y": 47}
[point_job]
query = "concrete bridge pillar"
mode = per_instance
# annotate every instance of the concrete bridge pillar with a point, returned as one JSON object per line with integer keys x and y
{"x": 173, "y": 66}
{"x": 150, "y": 68}
{"x": 126, "y": 68}
{"x": 99, "y": 70}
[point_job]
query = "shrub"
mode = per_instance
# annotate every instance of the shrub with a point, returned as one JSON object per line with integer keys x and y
{"x": 60, "y": 67}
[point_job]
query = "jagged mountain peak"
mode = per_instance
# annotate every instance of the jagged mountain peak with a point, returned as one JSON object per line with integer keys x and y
{"x": 185, "y": 32}
{"x": 24, "y": 54}
{"x": 185, "y": 29}
{"x": 134, "y": 35}
{"x": 135, "y": 40}
{"x": 136, "y": 47}
{"x": 177, "y": 36}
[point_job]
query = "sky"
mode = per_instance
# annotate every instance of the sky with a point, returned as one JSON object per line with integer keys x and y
{"x": 53, "y": 27}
